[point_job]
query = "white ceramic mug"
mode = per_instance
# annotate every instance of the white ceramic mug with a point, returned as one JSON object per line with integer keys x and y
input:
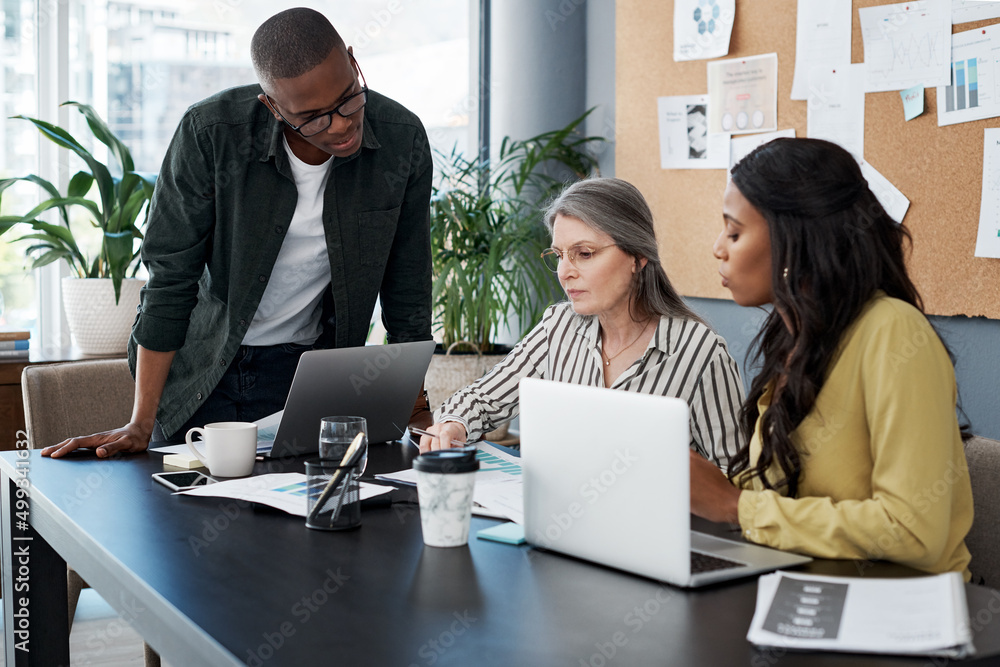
{"x": 230, "y": 447}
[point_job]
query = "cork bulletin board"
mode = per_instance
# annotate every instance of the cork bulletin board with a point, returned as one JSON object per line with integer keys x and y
{"x": 938, "y": 169}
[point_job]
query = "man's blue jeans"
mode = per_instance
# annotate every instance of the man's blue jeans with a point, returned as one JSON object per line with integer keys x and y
{"x": 254, "y": 386}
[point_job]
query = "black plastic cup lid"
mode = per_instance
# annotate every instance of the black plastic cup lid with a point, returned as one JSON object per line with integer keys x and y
{"x": 447, "y": 461}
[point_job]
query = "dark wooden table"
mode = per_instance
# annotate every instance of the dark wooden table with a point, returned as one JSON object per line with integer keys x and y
{"x": 209, "y": 581}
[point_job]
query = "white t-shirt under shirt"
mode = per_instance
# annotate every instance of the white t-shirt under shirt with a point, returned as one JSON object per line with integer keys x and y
{"x": 289, "y": 311}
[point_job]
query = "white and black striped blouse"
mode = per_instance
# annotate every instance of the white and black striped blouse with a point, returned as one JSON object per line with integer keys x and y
{"x": 684, "y": 359}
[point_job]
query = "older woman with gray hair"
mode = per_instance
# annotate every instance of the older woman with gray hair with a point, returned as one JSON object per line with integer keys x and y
{"x": 623, "y": 326}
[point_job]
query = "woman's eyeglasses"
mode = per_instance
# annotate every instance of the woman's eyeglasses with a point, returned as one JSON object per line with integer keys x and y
{"x": 578, "y": 256}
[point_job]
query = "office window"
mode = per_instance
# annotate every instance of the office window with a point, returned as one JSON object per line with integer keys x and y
{"x": 142, "y": 63}
{"x": 18, "y": 157}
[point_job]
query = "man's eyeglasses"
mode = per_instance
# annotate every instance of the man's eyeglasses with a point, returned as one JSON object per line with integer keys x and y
{"x": 578, "y": 256}
{"x": 350, "y": 106}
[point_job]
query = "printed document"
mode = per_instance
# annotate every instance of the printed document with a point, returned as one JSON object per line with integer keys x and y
{"x": 822, "y": 37}
{"x": 964, "y": 11}
{"x": 284, "y": 491}
{"x": 836, "y": 109}
{"x": 702, "y": 28}
{"x": 743, "y": 95}
{"x": 740, "y": 147}
{"x": 988, "y": 238}
{"x": 893, "y": 201}
{"x": 907, "y": 44}
{"x": 972, "y": 93}
{"x": 498, "y": 491}
{"x": 911, "y": 616}
{"x": 684, "y": 139}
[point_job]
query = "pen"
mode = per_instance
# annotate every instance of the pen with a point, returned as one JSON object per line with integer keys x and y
{"x": 455, "y": 443}
{"x": 351, "y": 457}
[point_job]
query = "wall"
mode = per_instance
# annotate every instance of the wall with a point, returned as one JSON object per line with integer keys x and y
{"x": 975, "y": 342}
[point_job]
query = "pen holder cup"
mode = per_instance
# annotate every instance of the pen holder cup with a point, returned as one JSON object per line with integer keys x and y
{"x": 333, "y": 500}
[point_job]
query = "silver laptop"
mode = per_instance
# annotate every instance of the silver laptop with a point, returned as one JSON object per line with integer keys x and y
{"x": 606, "y": 479}
{"x": 377, "y": 382}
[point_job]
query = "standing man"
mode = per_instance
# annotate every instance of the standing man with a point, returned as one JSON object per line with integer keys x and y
{"x": 281, "y": 213}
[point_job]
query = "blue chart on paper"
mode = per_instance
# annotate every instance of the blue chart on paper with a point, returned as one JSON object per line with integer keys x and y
{"x": 489, "y": 461}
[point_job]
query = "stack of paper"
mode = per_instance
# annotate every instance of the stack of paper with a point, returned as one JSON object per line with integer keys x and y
{"x": 498, "y": 490}
{"x": 916, "y": 616}
{"x": 284, "y": 491}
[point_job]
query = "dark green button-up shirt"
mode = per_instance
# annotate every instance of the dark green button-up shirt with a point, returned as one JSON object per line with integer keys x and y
{"x": 223, "y": 201}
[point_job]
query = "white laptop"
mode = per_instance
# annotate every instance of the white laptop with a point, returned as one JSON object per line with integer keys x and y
{"x": 377, "y": 382}
{"x": 607, "y": 477}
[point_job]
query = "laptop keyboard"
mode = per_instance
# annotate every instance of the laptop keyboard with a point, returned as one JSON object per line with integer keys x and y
{"x": 704, "y": 563}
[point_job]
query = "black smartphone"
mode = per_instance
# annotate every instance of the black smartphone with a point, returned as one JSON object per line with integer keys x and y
{"x": 181, "y": 479}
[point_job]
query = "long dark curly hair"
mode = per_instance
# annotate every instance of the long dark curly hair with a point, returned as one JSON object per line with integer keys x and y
{"x": 832, "y": 246}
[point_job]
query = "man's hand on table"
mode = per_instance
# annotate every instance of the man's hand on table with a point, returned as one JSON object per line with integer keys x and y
{"x": 128, "y": 439}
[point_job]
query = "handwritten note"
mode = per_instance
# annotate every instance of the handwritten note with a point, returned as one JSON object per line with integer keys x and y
{"x": 913, "y": 102}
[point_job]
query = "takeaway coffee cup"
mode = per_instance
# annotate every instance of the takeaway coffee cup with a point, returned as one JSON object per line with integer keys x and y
{"x": 445, "y": 482}
{"x": 230, "y": 448}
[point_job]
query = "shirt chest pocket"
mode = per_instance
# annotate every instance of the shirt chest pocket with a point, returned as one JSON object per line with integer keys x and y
{"x": 376, "y": 230}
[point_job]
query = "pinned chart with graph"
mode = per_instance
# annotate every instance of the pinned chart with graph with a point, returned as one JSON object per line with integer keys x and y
{"x": 973, "y": 93}
{"x": 907, "y": 44}
{"x": 988, "y": 236}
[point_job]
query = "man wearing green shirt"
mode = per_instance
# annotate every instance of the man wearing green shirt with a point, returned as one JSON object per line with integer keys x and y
{"x": 281, "y": 213}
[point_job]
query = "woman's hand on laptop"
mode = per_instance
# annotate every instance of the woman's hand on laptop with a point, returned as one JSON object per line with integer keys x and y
{"x": 713, "y": 496}
{"x": 125, "y": 440}
{"x": 445, "y": 433}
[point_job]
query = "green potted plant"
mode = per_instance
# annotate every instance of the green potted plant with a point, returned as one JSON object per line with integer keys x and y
{"x": 101, "y": 297}
{"x": 486, "y": 237}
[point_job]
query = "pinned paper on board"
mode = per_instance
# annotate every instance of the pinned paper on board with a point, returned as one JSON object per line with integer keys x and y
{"x": 740, "y": 147}
{"x": 907, "y": 44}
{"x": 702, "y": 28}
{"x": 964, "y": 11}
{"x": 743, "y": 95}
{"x": 822, "y": 37}
{"x": 684, "y": 139}
{"x": 988, "y": 236}
{"x": 913, "y": 102}
{"x": 893, "y": 201}
{"x": 971, "y": 95}
{"x": 836, "y": 109}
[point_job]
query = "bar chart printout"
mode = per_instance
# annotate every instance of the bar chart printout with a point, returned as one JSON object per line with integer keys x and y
{"x": 972, "y": 94}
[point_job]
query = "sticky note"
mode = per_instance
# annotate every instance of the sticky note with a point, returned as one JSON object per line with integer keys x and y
{"x": 913, "y": 101}
{"x": 185, "y": 461}
{"x": 508, "y": 533}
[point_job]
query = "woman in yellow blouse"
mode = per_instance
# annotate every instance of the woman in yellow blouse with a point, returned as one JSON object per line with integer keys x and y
{"x": 855, "y": 449}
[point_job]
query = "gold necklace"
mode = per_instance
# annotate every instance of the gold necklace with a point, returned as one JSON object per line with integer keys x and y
{"x": 608, "y": 360}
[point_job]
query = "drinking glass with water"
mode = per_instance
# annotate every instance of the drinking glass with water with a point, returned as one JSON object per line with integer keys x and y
{"x": 336, "y": 435}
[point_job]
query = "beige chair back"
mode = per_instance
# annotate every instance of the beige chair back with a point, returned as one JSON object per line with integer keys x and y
{"x": 983, "y": 539}
{"x": 75, "y": 398}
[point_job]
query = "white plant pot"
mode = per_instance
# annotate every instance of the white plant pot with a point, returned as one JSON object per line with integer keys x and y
{"x": 98, "y": 325}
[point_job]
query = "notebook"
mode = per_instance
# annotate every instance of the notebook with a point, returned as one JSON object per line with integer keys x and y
{"x": 606, "y": 478}
{"x": 377, "y": 382}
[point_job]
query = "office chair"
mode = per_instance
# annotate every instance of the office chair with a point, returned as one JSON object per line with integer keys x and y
{"x": 78, "y": 398}
{"x": 983, "y": 539}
